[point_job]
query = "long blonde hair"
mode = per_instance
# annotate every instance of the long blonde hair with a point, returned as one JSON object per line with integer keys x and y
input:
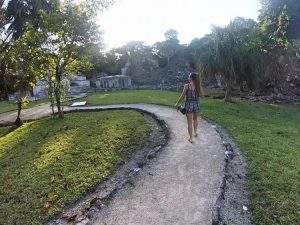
{"x": 197, "y": 82}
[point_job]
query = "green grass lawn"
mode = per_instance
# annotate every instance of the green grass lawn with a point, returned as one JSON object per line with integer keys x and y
{"x": 4, "y": 130}
{"x": 269, "y": 137}
{"x": 50, "y": 163}
{"x": 132, "y": 96}
{"x": 8, "y": 106}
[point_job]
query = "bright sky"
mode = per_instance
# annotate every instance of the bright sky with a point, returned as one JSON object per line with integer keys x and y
{"x": 148, "y": 20}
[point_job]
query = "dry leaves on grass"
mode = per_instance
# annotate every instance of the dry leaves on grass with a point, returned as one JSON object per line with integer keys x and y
{"x": 53, "y": 198}
{"x": 46, "y": 206}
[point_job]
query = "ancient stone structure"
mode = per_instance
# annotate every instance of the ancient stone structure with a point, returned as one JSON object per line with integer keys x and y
{"x": 113, "y": 82}
{"x": 39, "y": 91}
{"x": 79, "y": 84}
{"x": 124, "y": 70}
{"x": 14, "y": 97}
{"x": 95, "y": 80}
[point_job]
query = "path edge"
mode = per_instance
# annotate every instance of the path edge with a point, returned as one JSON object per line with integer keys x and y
{"x": 97, "y": 203}
{"x": 227, "y": 210}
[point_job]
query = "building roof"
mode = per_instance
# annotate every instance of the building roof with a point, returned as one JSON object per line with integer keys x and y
{"x": 114, "y": 76}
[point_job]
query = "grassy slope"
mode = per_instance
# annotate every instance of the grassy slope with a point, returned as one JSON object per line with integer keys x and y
{"x": 4, "y": 130}
{"x": 269, "y": 138}
{"x": 59, "y": 164}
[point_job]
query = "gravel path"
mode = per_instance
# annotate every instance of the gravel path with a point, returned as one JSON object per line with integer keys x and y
{"x": 179, "y": 187}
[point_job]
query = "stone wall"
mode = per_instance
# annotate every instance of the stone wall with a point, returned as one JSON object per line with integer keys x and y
{"x": 79, "y": 84}
{"x": 39, "y": 91}
{"x": 114, "y": 82}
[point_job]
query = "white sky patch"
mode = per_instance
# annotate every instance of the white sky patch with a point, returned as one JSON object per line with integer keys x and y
{"x": 148, "y": 20}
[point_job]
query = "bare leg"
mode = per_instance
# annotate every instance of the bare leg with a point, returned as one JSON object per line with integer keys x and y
{"x": 195, "y": 123}
{"x": 189, "y": 117}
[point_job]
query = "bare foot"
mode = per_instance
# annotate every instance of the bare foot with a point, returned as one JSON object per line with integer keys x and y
{"x": 195, "y": 135}
{"x": 191, "y": 140}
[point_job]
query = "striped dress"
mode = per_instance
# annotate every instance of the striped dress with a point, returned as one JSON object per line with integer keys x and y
{"x": 191, "y": 101}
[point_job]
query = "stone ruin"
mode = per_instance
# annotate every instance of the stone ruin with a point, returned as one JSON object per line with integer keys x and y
{"x": 114, "y": 82}
{"x": 14, "y": 97}
{"x": 79, "y": 84}
{"x": 104, "y": 82}
{"x": 37, "y": 93}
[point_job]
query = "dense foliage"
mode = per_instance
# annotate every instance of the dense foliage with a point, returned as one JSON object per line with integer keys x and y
{"x": 272, "y": 12}
{"x": 46, "y": 40}
{"x": 248, "y": 55}
{"x": 62, "y": 39}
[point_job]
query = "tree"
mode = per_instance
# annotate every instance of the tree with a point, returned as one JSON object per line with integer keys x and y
{"x": 14, "y": 17}
{"x": 3, "y": 40}
{"x": 140, "y": 61}
{"x": 279, "y": 23}
{"x": 231, "y": 52}
{"x": 27, "y": 63}
{"x": 70, "y": 37}
{"x": 224, "y": 57}
{"x": 2, "y": 15}
{"x": 22, "y": 12}
{"x": 171, "y": 34}
{"x": 272, "y": 13}
{"x": 169, "y": 47}
{"x": 110, "y": 62}
{"x": 205, "y": 52}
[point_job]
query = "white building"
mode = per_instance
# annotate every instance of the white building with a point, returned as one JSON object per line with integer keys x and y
{"x": 113, "y": 82}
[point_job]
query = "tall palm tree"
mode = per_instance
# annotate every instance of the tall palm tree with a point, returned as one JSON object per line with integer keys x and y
{"x": 216, "y": 56}
{"x": 231, "y": 52}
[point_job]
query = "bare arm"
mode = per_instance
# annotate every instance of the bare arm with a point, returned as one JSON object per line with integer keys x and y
{"x": 182, "y": 96}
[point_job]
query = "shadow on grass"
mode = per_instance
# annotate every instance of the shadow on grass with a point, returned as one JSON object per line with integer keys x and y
{"x": 48, "y": 164}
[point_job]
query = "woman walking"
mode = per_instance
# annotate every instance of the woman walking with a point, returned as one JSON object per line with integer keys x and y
{"x": 191, "y": 94}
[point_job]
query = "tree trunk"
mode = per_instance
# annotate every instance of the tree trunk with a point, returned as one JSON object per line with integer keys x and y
{"x": 228, "y": 91}
{"x": 18, "y": 121}
{"x": 229, "y": 78}
{"x": 58, "y": 96}
{"x": 58, "y": 103}
{"x": 50, "y": 96}
{"x": 52, "y": 107}
{"x": 5, "y": 89}
{"x": 3, "y": 82}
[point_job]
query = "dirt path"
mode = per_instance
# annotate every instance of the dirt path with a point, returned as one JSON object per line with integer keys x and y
{"x": 26, "y": 114}
{"x": 179, "y": 187}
